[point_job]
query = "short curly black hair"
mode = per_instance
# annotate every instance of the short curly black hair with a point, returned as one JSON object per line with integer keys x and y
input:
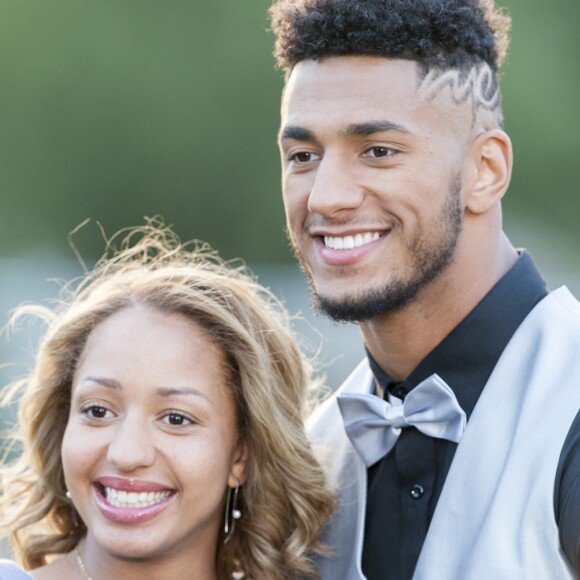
{"x": 447, "y": 34}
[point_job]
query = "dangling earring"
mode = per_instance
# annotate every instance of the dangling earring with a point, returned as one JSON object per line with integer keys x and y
{"x": 73, "y": 511}
{"x": 236, "y": 514}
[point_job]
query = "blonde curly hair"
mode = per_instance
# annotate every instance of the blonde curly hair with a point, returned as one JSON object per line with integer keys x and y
{"x": 285, "y": 500}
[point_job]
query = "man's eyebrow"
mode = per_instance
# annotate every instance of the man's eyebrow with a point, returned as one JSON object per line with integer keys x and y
{"x": 180, "y": 391}
{"x": 297, "y": 133}
{"x": 353, "y": 130}
{"x": 372, "y": 127}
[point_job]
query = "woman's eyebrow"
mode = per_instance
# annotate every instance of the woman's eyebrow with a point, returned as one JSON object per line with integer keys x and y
{"x": 109, "y": 383}
{"x": 160, "y": 391}
{"x": 180, "y": 391}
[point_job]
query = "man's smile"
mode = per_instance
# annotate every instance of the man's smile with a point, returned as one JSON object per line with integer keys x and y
{"x": 350, "y": 242}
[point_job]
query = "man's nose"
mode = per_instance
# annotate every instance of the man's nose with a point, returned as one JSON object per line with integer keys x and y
{"x": 131, "y": 445}
{"x": 335, "y": 188}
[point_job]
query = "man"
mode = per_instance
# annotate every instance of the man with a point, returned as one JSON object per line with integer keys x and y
{"x": 394, "y": 164}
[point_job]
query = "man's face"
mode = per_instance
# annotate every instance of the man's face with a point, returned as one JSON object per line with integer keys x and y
{"x": 371, "y": 182}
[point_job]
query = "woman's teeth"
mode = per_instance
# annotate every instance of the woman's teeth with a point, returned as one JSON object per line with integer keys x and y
{"x": 131, "y": 499}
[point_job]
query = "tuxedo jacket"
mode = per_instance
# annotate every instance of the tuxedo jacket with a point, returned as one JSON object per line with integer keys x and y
{"x": 495, "y": 516}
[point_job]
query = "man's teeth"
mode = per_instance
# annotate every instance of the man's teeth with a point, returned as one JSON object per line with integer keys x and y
{"x": 350, "y": 242}
{"x": 131, "y": 499}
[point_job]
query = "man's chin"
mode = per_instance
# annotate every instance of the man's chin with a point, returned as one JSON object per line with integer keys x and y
{"x": 362, "y": 307}
{"x": 352, "y": 309}
{"x": 336, "y": 311}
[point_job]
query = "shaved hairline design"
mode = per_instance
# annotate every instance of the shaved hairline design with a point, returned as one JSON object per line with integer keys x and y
{"x": 478, "y": 82}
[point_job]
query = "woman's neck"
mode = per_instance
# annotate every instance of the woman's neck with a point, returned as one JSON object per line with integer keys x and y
{"x": 100, "y": 564}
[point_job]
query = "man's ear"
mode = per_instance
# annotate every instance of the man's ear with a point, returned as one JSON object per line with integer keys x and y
{"x": 492, "y": 161}
{"x": 239, "y": 465}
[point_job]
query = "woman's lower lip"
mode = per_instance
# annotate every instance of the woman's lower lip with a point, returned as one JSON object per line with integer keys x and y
{"x": 132, "y": 515}
{"x": 345, "y": 257}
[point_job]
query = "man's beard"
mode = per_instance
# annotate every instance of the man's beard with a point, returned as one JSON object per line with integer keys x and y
{"x": 431, "y": 257}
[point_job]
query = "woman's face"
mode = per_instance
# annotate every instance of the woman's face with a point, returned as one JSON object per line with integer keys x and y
{"x": 151, "y": 442}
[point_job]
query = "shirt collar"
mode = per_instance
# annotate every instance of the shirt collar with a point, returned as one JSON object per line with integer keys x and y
{"x": 466, "y": 357}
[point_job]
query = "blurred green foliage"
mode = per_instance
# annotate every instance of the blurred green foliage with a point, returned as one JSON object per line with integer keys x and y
{"x": 115, "y": 110}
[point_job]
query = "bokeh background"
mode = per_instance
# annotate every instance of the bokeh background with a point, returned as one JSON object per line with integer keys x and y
{"x": 117, "y": 110}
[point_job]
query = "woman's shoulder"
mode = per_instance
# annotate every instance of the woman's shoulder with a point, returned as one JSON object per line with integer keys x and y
{"x": 11, "y": 571}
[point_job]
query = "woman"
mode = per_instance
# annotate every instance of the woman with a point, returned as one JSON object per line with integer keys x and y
{"x": 162, "y": 428}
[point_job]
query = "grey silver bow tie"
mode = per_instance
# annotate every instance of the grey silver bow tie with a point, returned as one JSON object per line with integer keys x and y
{"x": 374, "y": 425}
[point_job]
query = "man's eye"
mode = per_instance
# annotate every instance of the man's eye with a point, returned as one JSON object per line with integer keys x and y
{"x": 379, "y": 151}
{"x": 303, "y": 157}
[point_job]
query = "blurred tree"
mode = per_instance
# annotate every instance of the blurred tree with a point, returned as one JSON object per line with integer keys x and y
{"x": 541, "y": 93}
{"x": 116, "y": 110}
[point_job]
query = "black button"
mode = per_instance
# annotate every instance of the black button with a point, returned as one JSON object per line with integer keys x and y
{"x": 400, "y": 392}
{"x": 417, "y": 491}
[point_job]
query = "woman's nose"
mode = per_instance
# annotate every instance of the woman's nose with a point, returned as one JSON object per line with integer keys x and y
{"x": 131, "y": 445}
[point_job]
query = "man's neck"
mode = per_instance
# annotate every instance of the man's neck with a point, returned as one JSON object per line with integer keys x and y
{"x": 400, "y": 340}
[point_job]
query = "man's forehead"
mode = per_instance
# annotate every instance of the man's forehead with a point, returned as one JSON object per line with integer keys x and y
{"x": 335, "y": 82}
{"x": 350, "y": 71}
{"x": 375, "y": 85}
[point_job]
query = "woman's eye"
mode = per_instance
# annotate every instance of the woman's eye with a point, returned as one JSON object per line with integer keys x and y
{"x": 96, "y": 412}
{"x": 177, "y": 420}
{"x": 379, "y": 151}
